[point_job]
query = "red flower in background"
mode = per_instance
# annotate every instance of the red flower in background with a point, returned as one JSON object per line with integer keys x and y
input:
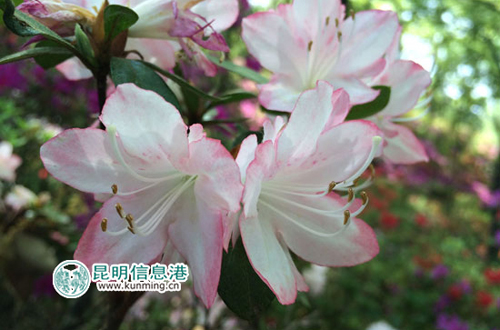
{"x": 421, "y": 220}
{"x": 389, "y": 221}
{"x": 492, "y": 276}
{"x": 455, "y": 292}
{"x": 484, "y": 299}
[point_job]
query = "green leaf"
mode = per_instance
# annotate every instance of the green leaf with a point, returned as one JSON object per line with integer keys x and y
{"x": 83, "y": 44}
{"x": 361, "y": 111}
{"x": 241, "y": 288}
{"x": 34, "y": 52}
{"x": 230, "y": 98}
{"x": 130, "y": 71}
{"x": 51, "y": 60}
{"x": 181, "y": 82}
{"x": 118, "y": 19}
{"x": 242, "y": 71}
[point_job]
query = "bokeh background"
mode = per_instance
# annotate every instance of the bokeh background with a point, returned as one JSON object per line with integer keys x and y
{"x": 438, "y": 223}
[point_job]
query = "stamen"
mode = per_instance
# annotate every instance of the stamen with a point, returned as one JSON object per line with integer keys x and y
{"x": 131, "y": 230}
{"x": 114, "y": 189}
{"x": 337, "y": 22}
{"x": 339, "y": 35}
{"x": 353, "y": 14}
{"x": 364, "y": 197}
{"x": 104, "y": 224}
{"x": 309, "y": 46}
{"x": 351, "y": 195}
{"x": 130, "y": 220}
{"x": 119, "y": 210}
{"x": 407, "y": 119}
{"x": 347, "y": 216}
{"x": 298, "y": 224}
{"x": 327, "y": 21}
{"x": 331, "y": 186}
{"x": 356, "y": 181}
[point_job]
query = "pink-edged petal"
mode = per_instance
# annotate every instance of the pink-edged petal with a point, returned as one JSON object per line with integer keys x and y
{"x": 281, "y": 93}
{"x": 196, "y": 133}
{"x": 358, "y": 91}
{"x": 355, "y": 245}
{"x": 310, "y": 15}
{"x": 246, "y": 154}
{"x": 408, "y": 81}
{"x": 218, "y": 182}
{"x": 313, "y": 110}
{"x": 299, "y": 279}
{"x": 270, "y": 40}
{"x": 341, "y": 152}
{"x": 365, "y": 39}
{"x": 149, "y": 127}
{"x": 222, "y": 13}
{"x": 97, "y": 246}
{"x": 403, "y": 147}
{"x": 393, "y": 53}
{"x": 197, "y": 234}
{"x": 73, "y": 69}
{"x": 201, "y": 60}
{"x": 158, "y": 52}
{"x": 84, "y": 159}
{"x": 272, "y": 129}
{"x": 156, "y": 18}
{"x": 262, "y": 168}
{"x": 268, "y": 258}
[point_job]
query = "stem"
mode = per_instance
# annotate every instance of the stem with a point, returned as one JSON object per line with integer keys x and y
{"x": 101, "y": 89}
{"x": 119, "y": 304}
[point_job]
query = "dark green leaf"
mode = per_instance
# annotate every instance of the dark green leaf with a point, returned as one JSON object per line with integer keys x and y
{"x": 241, "y": 288}
{"x": 230, "y": 98}
{"x": 118, "y": 19}
{"x": 34, "y": 52}
{"x": 51, "y": 60}
{"x": 182, "y": 82}
{"x": 130, "y": 71}
{"x": 242, "y": 71}
{"x": 361, "y": 111}
{"x": 83, "y": 44}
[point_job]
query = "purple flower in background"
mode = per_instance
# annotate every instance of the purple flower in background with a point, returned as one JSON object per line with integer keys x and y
{"x": 11, "y": 78}
{"x": 43, "y": 286}
{"x": 489, "y": 198}
{"x": 443, "y": 302}
{"x": 446, "y": 322}
{"x": 465, "y": 286}
{"x": 497, "y": 238}
{"x": 439, "y": 272}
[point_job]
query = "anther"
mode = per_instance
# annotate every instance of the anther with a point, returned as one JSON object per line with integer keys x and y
{"x": 339, "y": 35}
{"x": 356, "y": 181}
{"x": 351, "y": 194}
{"x": 336, "y": 22}
{"x": 364, "y": 197}
{"x": 131, "y": 230}
{"x": 353, "y": 14}
{"x": 327, "y": 20}
{"x": 114, "y": 189}
{"x": 309, "y": 46}
{"x": 119, "y": 210}
{"x": 104, "y": 224}
{"x": 331, "y": 186}
{"x": 347, "y": 215}
{"x": 372, "y": 169}
{"x": 130, "y": 220}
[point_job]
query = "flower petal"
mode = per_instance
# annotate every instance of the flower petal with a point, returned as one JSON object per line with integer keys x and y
{"x": 73, "y": 69}
{"x": 149, "y": 127}
{"x": 84, "y": 159}
{"x": 408, "y": 81}
{"x": 403, "y": 148}
{"x": 157, "y": 52}
{"x": 280, "y": 93}
{"x": 365, "y": 39}
{"x": 222, "y": 13}
{"x": 268, "y": 258}
{"x": 197, "y": 234}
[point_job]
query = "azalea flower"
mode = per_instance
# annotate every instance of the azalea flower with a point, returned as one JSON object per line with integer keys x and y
{"x": 309, "y": 40}
{"x": 287, "y": 204}
{"x": 165, "y": 190}
{"x": 20, "y": 197}
{"x": 164, "y": 28}
{"x": 408, "y": 81}
{"x": 8, "y": 162}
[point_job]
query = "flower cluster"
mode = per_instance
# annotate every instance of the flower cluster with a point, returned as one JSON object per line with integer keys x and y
{"x": 171, "y": 192}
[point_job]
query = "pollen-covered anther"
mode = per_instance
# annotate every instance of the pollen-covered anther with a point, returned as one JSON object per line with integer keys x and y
{"x": 350, "y": 193}
{"x": 347, "y": 215}
{"x": 114, "y": 189}
{"x": 336, "y": 22}
{"x": 331, "y": 186}
{"x": 364, "y": 197}
{"x": 309, "y": 46}
{"x": 130, "y": 229}
{"x": 353, "y": 14}
{"x": 119, "y": 210}
{"x": 339, "y": 35}
{"x": 130, "y": 220}
{"x": 104, "y": 224}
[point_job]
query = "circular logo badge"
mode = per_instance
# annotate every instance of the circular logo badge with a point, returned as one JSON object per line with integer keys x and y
{"x": 71, "y": 279}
